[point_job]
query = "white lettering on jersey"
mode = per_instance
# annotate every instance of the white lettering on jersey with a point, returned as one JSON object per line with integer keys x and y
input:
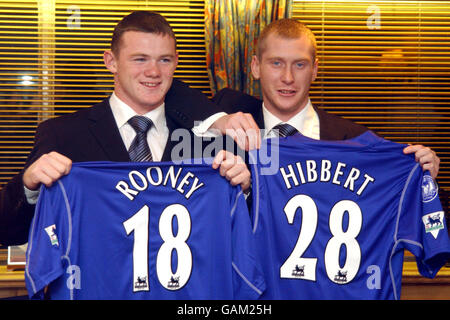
{"x": 154, "y": 176}
{"x": 325, "y": 171}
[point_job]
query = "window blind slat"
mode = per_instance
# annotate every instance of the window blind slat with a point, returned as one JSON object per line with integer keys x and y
{"x": 52, "y": 65}
{"x": 385, "y": 64}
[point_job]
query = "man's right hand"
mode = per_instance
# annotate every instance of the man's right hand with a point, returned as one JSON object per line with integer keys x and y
{"x": 47, "y": 169}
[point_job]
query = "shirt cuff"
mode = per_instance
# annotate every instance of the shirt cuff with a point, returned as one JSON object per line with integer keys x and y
{"x": 31, "y": 195}
{"x": 203, "y": 128}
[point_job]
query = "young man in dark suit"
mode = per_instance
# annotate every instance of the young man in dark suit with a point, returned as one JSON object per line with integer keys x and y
{"x": 143, "y": 59}
{"x": 286, "y": 65}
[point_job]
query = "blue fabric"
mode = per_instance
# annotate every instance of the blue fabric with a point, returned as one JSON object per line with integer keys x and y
{"x": 142, "y": 231}
{"x": 334, "y": 218}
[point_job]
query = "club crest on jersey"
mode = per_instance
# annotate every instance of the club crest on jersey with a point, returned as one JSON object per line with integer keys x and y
{"x": 52, "y": 235}
{"x": 429, "y": 189}
{"x": 434, "y": 222}
{"x": 141, "y": 284}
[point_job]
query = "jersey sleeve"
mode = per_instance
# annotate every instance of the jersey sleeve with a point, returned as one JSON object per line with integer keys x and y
{"x": 422, "y": 227}
{"x": 248, "y": 280}
{"x": 46, "y": 245}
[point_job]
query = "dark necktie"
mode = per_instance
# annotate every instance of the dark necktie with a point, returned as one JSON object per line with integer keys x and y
{"x": 285, "y": 130}
{"x": 139, "y": 149}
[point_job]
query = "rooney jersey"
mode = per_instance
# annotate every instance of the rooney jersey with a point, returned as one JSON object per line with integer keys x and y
{"x": 142, "y": 231}
{"x": 332, "y": 219}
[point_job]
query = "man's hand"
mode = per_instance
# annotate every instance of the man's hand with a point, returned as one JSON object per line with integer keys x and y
{"x": 426, "y": 157}
{"x": 47, "y": 169}
{"x": 233, "y": 168}
{"x": 242, "y": 128}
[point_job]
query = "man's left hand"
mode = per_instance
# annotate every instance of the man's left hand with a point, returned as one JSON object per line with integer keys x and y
{"x": 426, "y": 157}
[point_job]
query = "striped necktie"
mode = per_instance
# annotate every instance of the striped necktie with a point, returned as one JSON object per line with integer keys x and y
{"x": 139, "y": 149}
{"x": 285, "y": 130}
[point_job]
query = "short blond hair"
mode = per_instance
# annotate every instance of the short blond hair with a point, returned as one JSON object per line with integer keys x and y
{"x": 289, "y": 29}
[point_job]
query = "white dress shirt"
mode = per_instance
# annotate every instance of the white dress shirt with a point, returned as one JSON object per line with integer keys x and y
{"x": 306, "y": 122}
{"x": 157, "y": 135}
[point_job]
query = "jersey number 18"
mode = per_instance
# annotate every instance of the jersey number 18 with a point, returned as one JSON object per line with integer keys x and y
{"x": 139, "y": 224}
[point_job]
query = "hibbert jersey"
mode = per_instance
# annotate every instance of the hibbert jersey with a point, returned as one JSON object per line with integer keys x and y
{"x": 332, "y": 219}
{"x": 142, "y": 231}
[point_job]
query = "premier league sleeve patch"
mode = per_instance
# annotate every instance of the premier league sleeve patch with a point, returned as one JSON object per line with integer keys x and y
{"x": 52, "y": 235}
{"x": 434, "y": 222}
{"x": 429, "y": 189}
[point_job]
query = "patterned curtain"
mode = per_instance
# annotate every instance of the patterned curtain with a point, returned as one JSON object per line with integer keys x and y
{"x": 231, "y": 30}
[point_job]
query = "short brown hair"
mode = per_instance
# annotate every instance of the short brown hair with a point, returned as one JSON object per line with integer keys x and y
{"x": 142, "y": 21}
{"x": 289, "y": 29}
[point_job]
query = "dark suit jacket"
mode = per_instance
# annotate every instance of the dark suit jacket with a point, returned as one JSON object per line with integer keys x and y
{"x": 332, "y": 127}
{"x": 91, "y": 135}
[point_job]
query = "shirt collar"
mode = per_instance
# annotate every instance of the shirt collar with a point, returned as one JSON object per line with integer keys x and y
{"x": 123, "y": 112}
{"x": 301, "y": 121}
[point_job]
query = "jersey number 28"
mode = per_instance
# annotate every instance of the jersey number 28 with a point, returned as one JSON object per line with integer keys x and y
{"x": 298, "y": 267}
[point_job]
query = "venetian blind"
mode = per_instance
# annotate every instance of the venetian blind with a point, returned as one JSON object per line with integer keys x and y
{"x": 386, "y": 65}
{"x": 51, "y": 61}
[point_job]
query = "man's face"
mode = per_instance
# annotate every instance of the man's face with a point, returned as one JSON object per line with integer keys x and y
{"x": 143, "y": 69}
{"x": 285, "y": 70}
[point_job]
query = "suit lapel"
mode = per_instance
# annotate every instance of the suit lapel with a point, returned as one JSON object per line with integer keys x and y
{"x": 175, "y": 121}
{"x": 259, "y": 117}
{"x": 336, "y": 128}
{"x": 169, "y": 144}
{"x": 103, "y": 127}
{"x": 176, "y": 117}
{"x": 323, "y": 124}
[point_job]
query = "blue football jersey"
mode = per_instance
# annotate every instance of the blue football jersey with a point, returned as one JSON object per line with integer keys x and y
{"x": 142, "y": 231}
{"x": 332, "y": 218}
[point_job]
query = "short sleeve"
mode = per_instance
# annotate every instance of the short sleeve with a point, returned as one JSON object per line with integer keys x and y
{"x": 422, "y": 227}
{"x": 46, "y": 241}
